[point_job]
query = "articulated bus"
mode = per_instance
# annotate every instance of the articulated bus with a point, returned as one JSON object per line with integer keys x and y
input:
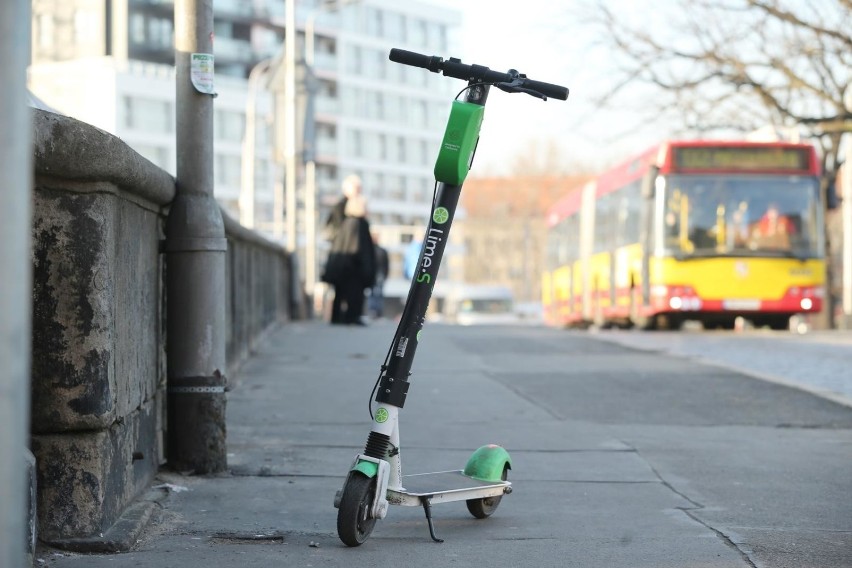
{"x": 690, "y": 230}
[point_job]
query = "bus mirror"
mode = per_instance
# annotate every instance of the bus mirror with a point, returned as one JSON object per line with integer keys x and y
{"x": 649, "y": 182}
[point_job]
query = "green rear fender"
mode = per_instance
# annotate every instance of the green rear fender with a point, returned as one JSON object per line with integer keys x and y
{"x": 487, "y": 463}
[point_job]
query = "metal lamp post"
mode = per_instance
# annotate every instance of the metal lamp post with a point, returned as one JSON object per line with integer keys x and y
{"x": 247, "y": 187}
{"x": 311, "y": 266}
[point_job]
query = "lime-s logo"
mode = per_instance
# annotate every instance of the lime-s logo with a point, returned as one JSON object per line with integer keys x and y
{"x": 382, "y": 415}
{"x": 424, "y": 278}
{"x": 441, "y": 215}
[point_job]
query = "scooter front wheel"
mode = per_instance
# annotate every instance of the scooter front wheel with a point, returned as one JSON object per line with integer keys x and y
{"x": 354, "y": 523}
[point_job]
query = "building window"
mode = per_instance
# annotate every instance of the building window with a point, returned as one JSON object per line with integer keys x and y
{"x": 155, "y": 115}
{"x": 402, "y": 155}
{"x": 157, "y": 155}
{"x": 442, "y": 38}
{"x": 425, "y": 153}
{"x": 371, "y": 142}
{"x": 148, "y": 114}
{"x": 229, "y": 125}
{"x": 396, "y": 25}
{"x": 137, "y": 28}
{"x": 86, "y": 29}
{"x": 383, "y": 147}
{"x": 127, "y": 108}
{"x": 397, "y": 188}
{"x": 420, "y": 113}
{"x": 375, "y": 63}
{"x": 376, "y": 105}
{"x": 355, "y": 60}
{"x": 160, "y": 32}
{"x": 227, "y": 170}
{"x": 356, "y": 143}
{"x": 45, "y": 31}
{"x": 375, "y": 22}
{"x": 418, "y": 32}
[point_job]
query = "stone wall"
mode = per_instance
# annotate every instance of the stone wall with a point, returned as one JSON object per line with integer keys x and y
{"x": 98, "y": 361}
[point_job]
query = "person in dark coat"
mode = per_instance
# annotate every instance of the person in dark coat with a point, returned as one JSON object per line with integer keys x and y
{"x": 351, "y": 188}
{"x": 351, "y": 264}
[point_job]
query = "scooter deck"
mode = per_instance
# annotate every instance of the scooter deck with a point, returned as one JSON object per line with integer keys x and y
{"x": 444, "y": 486}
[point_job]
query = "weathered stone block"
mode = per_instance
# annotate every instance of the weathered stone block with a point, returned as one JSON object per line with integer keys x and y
{"x": 97, "y": 352}
{"x": 87, "y": 479}
{"x": 73, "y": 333}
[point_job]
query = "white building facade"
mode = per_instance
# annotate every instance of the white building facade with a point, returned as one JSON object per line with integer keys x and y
{"x": 111, "y": 64}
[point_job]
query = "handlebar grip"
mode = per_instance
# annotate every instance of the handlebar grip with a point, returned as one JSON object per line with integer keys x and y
{"x": 414, "y": 59}
{"x": 548, "y": 89}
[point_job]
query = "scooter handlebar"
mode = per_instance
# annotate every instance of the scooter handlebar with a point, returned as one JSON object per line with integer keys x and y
{"x": 455, "y": 68}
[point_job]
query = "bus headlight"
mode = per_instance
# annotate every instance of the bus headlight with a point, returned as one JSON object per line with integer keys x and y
{"x": 806, "y": 303}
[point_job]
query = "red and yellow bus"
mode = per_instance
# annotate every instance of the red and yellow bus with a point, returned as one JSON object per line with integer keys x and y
{"x": 690, "y": 230}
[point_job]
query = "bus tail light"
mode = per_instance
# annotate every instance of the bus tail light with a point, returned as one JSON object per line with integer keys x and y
{"x": 808, "y": 297}
{"x": 680, "y": 298}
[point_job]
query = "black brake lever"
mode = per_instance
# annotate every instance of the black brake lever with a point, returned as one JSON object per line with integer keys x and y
{"x": 516, "y": 85}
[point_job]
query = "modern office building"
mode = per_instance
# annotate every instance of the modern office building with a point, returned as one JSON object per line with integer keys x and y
{"x": 111, "y": 63}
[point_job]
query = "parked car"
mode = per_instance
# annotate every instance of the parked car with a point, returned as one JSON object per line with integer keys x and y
{"x": 480, "y": 304}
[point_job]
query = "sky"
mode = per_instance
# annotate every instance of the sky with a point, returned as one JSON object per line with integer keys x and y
{"x": 546, "y": 40}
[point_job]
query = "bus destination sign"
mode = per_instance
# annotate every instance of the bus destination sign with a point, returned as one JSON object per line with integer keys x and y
{"x": 742, "y": 158}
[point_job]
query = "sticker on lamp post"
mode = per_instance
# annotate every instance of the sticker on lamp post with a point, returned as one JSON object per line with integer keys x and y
{"x": 201, "y": 72}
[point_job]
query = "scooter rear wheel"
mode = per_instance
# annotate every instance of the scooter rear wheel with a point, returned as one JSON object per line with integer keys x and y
{"x": 485, "y": 507}
{"x": 354, "y": 523}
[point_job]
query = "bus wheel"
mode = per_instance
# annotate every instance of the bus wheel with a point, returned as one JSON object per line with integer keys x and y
{"x": 779, "y": 323}
{"x": 668, "y": 322}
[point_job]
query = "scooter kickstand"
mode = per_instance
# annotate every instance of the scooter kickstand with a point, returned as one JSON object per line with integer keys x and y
{"x": 427, "y": 508}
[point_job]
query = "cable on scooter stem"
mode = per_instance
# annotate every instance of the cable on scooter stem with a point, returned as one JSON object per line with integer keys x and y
{"x": 452, "y": 67}
{"x": 398, "y": 333}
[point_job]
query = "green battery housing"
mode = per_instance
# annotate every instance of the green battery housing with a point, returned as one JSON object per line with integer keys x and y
{"x": 459, "y": 142}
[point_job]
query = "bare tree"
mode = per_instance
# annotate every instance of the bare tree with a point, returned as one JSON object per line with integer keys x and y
{"x": 545, "y": 158}
{"x": 742, "y": 64}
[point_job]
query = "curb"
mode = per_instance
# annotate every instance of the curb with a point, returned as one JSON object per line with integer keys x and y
{"x": 123, "y": 534}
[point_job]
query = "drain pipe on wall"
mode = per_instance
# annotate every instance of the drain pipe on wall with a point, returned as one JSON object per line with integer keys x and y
{"x": 195, "y": 260}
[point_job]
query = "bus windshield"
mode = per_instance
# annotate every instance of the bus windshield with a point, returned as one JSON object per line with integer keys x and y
{"x": 740, "y": 215}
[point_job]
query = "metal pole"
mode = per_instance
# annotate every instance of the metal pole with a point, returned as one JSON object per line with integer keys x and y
{"x": 247, "y": 187}
{"x": 311, "y": 253}
{"x": 311, "y": 227}
{"x": 290, "y": 122}
{"x": 195, "y": 258}
{"x": 15, "y": 279}
{"x": 310, "y": 177}
{"x": 846, "y": 212}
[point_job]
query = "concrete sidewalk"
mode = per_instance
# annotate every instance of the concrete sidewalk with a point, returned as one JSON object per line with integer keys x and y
{"x": 621, "y": 458}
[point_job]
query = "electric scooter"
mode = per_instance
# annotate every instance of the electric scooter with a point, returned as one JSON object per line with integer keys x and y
{"x": 375, "y": 479}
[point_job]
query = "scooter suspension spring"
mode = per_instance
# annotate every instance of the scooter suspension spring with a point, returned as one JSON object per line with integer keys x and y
{"x": 378, "y": 446}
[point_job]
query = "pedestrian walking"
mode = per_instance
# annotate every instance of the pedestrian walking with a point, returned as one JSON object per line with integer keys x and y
{"x": 351, "y": 264}
{"x": 351, "y": 188}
